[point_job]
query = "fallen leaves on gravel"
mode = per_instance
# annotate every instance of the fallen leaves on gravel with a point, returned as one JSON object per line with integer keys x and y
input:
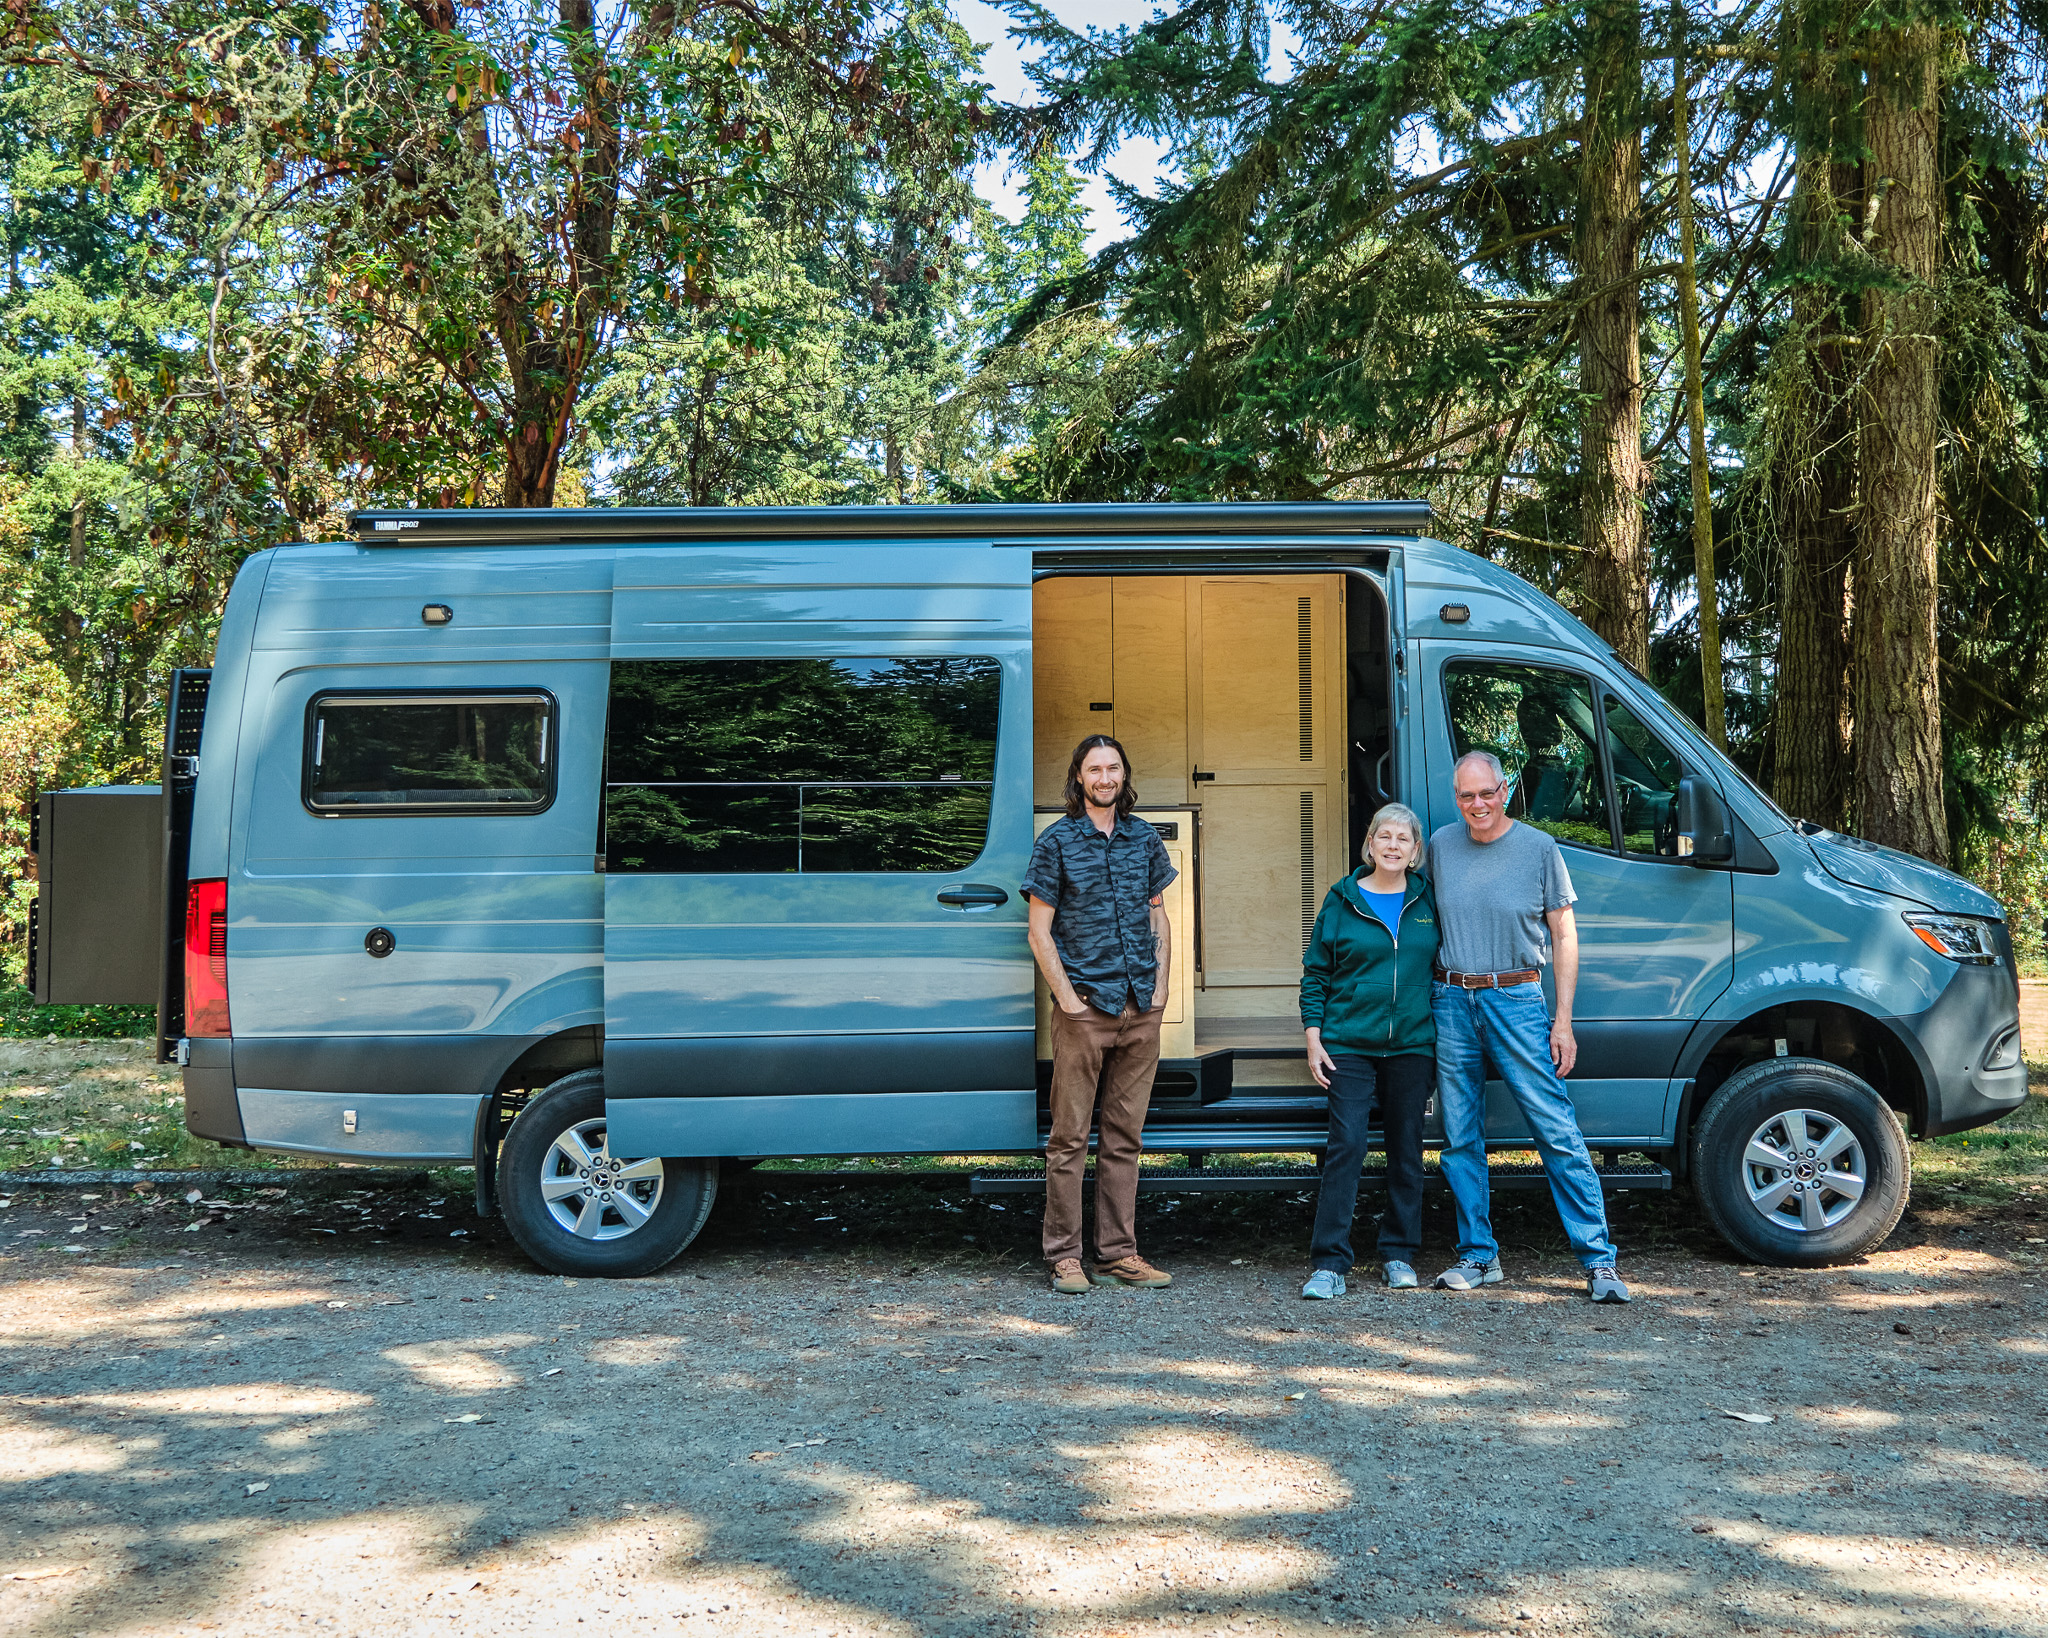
{"x": 1748, "y": 1416}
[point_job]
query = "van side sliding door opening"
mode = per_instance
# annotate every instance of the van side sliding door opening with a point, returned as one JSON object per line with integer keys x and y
{"x": 1257, "y": 711}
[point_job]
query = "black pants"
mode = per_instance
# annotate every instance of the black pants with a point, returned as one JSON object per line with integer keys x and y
{"x": 1400, "y": 1086}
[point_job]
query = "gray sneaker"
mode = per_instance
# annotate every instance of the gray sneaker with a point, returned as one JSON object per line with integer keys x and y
{"x": 1399, "y": 1276}
{"x": 1603, "y": 1284}
{"x": 1469, "y": 1274}
{"x": 1323, "y": 1284}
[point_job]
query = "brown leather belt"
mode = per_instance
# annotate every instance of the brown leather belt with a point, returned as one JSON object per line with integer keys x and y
{"x": 1485, "y": 981}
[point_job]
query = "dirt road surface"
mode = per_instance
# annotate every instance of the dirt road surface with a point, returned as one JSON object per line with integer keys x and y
{"x": 860, "y": 1413}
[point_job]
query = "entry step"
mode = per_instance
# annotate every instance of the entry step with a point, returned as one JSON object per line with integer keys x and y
{"x": 1295, "y": 1179}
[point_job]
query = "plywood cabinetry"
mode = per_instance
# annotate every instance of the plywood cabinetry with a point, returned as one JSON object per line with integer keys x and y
{"x": 1227, "y": 693}
{"x": 1268, "y": 749}
{"x": 1069, "y": 677}
{"x": 1148, "y": 664}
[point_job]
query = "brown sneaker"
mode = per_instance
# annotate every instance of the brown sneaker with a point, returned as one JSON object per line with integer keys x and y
{"x": 1129, "y": 1271}
{"x": 1067, "y": 1276}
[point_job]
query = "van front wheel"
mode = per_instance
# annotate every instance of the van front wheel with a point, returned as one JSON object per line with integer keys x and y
{"x": 577, "y": 1208}
{"x": 1800, "y": 1164}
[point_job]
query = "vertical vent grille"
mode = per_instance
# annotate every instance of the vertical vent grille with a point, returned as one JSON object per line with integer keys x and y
{"x": 188, "y": 710}
{"x": 1308, "y": 867}
{"x": 1306, "y": 657}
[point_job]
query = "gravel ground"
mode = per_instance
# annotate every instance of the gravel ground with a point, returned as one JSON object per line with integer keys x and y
{"x": 859, "y": 1412}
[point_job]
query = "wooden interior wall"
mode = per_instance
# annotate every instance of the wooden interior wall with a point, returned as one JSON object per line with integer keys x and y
{"x": 1237, "y": 678}
{"x": 1268, "y": 651}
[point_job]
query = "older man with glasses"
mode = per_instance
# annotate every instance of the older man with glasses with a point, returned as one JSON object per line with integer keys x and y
{"x": 1504, "y": 907}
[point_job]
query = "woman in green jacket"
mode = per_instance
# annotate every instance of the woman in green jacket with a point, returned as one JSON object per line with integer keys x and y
{"x": 1371, "y": 1039}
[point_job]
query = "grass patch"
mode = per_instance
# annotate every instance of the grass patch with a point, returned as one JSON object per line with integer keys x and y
{"x": 21, "y": 1019}
{"x": 87, "y": 1104}
{"x": 1993, "y": 1164}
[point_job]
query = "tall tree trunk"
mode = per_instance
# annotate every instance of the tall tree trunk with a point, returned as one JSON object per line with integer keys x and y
{"x": 1714, "y": 712}
{"x": 1617, "y": 571}
{"x": 74, "y": 622}
{"x": 547, "y": 367}
{"x": 1897, "y": 679}
{"x": 1817, "y": 490}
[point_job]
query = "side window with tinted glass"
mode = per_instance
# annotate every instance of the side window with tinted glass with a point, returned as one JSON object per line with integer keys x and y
{"x": 399, "y": 753}
{"x": 1541, "y": 724}
{"x": 1645, "y": 783}
{"x": 789, "y": 766}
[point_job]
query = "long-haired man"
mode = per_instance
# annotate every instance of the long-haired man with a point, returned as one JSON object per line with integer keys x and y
{"x": 1099, "y": 931}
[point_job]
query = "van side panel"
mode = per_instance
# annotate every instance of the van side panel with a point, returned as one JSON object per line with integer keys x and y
{"x": 735, "y": 985}
{"x": 497, "y": 917}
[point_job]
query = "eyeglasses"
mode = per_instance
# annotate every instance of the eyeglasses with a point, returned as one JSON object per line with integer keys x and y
{"x": 1467, "y": 798}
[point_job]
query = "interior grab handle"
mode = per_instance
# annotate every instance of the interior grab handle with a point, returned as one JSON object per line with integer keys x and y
{"x": 973, "y": 896}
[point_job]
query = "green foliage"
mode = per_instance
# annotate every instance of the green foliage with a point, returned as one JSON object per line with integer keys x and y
{"x": 21, "y": 1018}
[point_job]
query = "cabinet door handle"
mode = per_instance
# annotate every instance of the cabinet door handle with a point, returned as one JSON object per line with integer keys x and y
{"x": 1201, "y": 778}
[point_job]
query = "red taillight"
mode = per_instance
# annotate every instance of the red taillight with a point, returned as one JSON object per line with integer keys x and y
{"x": 206, "y": 959}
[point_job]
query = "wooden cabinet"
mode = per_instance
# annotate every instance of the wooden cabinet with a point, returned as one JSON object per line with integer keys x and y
{"x": 1227, "y": 692}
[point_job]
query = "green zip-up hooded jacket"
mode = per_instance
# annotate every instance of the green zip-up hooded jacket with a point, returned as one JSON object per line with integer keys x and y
{"x": 1367, "y": 993}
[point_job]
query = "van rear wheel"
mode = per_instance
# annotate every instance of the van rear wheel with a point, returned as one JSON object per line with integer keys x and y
{"x": 574, "y": 1207}
{"x": 1800, "y": 1164}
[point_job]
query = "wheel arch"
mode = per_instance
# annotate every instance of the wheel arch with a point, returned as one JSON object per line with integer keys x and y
{"x": 548, "y": 1059}
{"x": 539, "y": 1065}
{"x": 1866, "y": 1044}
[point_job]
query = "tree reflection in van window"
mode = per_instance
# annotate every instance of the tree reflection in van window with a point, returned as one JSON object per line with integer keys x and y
{"x": 1645, "y": 783}
{"x": 752, "y": 766}
{"x": 1540, "y": 724}
{"x": 390, "y": 753}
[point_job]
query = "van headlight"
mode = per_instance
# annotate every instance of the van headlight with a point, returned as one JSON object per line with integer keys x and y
{"x": 1961, "y": 938}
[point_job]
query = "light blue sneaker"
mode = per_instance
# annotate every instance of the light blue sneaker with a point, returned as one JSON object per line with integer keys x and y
{"x": 1323, "y": 1284}
{"x": 1469, "y": 1274}
{"x": 1399, "y": 1276}
{"x": 1604, "y": 1284}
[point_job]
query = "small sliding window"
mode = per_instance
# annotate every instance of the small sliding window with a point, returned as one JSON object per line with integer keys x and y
{"x": 419, "y": 752}
{"x": 767, "y": 767}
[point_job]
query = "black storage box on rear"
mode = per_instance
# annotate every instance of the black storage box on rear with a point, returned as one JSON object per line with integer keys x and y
{"x": 99, "y": 896}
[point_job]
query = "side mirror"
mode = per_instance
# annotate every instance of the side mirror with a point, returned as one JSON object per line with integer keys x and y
{"x": 1706, "y": 835}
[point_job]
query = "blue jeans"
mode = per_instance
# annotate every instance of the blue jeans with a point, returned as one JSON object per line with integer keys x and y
{"x": 1511, "y": 1027}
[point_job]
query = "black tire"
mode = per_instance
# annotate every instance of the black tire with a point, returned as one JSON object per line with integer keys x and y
{"x": 625, "y": 1239}
{"x": 1800, "y": 1218}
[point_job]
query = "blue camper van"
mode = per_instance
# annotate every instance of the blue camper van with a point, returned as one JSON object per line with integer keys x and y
{"x": 603, "y": 849}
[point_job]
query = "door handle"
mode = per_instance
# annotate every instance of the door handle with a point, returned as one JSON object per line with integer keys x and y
{"x": 973, "y": 896}
{"x": 1201, "y": 778}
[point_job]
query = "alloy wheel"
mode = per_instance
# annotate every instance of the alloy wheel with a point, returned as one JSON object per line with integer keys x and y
{"x": 1804, "y": 1170}
{"x": 592, "y": 1194}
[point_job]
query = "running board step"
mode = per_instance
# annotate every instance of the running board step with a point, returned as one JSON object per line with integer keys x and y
{"x": 1295, "y": 1179}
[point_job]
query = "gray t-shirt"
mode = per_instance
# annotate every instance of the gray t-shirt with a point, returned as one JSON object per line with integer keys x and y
{"x": 1491, "y": 896}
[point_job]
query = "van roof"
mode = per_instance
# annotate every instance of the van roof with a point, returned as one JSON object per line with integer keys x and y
{"x": 549, "y": 526}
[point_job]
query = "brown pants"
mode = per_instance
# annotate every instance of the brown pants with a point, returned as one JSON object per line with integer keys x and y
{"x": 1119, "y": 1056}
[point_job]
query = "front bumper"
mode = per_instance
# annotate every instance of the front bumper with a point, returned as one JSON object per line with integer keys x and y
{"x": 1968, "y": 1045}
